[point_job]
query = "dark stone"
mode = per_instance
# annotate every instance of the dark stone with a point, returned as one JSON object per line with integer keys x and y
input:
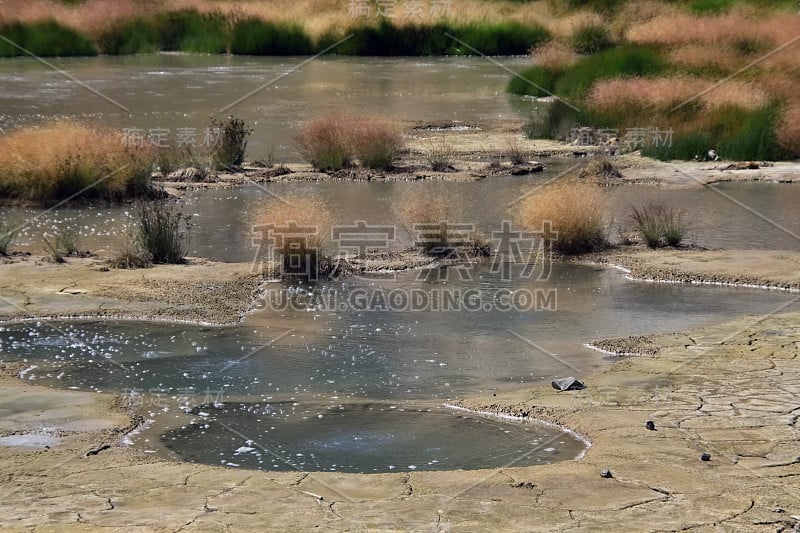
{"x": 606, "y": 474}
{"x": 705, "y": 457}
{"x": 650, "y": 425}
{"x": 569, "y": 383}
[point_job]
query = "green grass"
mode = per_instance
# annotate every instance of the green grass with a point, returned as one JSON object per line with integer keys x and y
{"x": 735, "y": 134}
{"x": 228, "y": 153}
{"x": 601, "y": 6}
{"x": 190, "y": 31}
{"x": 163, "y": 232}
{"x": 575, "y": 81}
{"x": 256, "y": 37}
{"x": 185, "y": 30}
{"x": 386, "y": 39}
{"x": 659, "y": 225}
{"x": 591, "y": 39}
{"x": 44, "y": 38}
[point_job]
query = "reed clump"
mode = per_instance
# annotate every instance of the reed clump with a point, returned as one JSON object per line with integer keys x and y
{"x": 571, "y": 217}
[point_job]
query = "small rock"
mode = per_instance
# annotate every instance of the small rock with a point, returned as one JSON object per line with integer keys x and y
{"x": 606, "y": 474}
{"x": 705, "y": 457}
{"x": 650, "y": 425}
{"x": 569, "y": 383}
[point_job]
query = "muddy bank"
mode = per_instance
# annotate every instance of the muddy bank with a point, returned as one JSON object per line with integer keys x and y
{"x": 732, "y": 393}
{"x": 200, "y": 291}
{"x": 480, "y": 151}
{"x": 746, "y": 268}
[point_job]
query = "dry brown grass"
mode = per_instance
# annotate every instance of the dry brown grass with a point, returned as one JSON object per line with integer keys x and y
{"x": 300, "y": 209}
{"x": 334, "y": 140}
{"x": 316, "y": 16}
{"x": 788, "y": 130}
{"x": 679, "y": 29}
{"x": 554, "y": 55}
{"x": 324, "y": 143}
{"x": 434, "y": 208}
{"x": 375, "y": 141}
{"x": 52, "y": 161}
{"x": 723, "y": 57}
{"x": 663, "y": 93}
{"x": 301, "y": 228}
{"x": 572, "y": 216}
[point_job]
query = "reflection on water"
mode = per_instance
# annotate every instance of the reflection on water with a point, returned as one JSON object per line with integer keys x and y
{"x": 304, "y": 386}
{"x": 224, "y": 219}
{"x": 326, "y": 356}
{"x": 174, "y": 91}
{"x": 362, "y": 438}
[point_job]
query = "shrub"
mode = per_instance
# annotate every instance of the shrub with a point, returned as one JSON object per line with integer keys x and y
{"x": 163, "y": 232}
{"x": 66, "y": 161}
{"x": 375, "y": 141}
{"x": 570, "y": 216}
{"x": 659, "y": 225}
{"x": 538, "y": 81}
{"x": 323, "y": 142}
{"x": 231, "y": 142}
{"x": 44, "y": 38}
{"x": 590, "y": 39}
{"x": 503, "y": 38}
{"x": 621, "y": 61}
{"x": 301, "y": 253}
{"x": 600, "y": 168}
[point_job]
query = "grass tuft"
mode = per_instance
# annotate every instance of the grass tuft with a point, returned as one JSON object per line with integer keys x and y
{"x": 7, "y": 235}
{"x": 571, "y": 216}
{"x": 323, "y": 142}
{"x": 231, "y": 142}
{"x": 63, "y": 160}
{"x": 439, "y": 155}
{"x": 429, "y": 215}
{"x": 659, "y": 225}
{"x": 299, "y": 251}
{"x": 163, "y": 232}
{"x": 375, "y": 141}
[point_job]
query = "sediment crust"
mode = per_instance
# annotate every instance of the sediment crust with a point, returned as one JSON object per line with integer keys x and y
{"x": 729, "y": 390}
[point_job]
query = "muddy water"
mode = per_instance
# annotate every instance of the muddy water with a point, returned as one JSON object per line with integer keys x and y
{"x": 359, "y": 389}
{"x": 172, "y": 91}
{"x": 328, "y": 384}
{"x": 224, "y": 219}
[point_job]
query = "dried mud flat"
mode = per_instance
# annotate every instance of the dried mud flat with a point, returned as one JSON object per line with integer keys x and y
{"x": 732, "y": 391}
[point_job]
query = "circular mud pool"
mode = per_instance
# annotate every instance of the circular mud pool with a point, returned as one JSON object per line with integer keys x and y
{"x": 364, "y": 438}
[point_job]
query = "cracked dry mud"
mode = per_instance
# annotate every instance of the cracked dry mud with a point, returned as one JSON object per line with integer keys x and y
{"x": 733, "y": 392}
